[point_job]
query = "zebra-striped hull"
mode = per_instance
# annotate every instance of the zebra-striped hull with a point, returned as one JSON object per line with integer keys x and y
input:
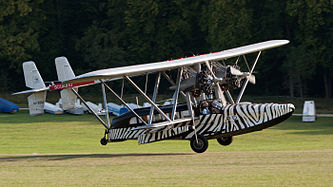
{"x": 233, "y": 120}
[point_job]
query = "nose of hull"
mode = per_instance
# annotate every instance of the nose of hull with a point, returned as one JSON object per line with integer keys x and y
{"x": 261, "y": 113}
{"x": 244, "y": 118}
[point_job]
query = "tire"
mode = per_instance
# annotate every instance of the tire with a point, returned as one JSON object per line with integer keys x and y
{"x": 201, "y": 146}
{"x": 104, "y": 141}
{"x": 225, "y": 140}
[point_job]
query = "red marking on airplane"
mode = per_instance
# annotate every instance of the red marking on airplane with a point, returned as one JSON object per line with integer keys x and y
{"x": 69, "y": 85}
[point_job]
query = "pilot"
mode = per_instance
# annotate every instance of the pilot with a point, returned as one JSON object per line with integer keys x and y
{"x": 205, "y": 107}
{"x": 216, "y": 107}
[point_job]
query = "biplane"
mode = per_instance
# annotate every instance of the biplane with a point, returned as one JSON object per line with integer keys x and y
{"x": 201, "y": 108}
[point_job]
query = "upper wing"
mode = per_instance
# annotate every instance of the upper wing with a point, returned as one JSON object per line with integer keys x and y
{"x": 132, "y": 70}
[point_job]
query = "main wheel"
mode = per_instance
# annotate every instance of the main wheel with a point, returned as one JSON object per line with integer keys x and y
{"x": 225, "y": 140}
{"x": 104, "y": 141}
{"x": 199, "y": 146}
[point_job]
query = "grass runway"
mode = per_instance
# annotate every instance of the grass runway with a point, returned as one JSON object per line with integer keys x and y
{"x": 64, "y": 151}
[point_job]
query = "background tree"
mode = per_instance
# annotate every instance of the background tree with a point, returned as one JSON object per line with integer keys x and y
{"x": 19, "y": 33}
{"x": 312, "y": 37}
{"x": 110, "y": 33}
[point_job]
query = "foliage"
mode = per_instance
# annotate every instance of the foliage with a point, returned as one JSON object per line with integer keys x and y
{"x": 312, "y": 52}
{"x": 109, "y": 33}
{"x": 19, "y": 33}
{"x": 229, "y": 24}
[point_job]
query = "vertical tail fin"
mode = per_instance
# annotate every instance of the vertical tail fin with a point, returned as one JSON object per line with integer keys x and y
{"x": 64, "y": 69}
{"x": 34, "y": 80}
{"x": 31, "y": 75}
{"x": 65, "y": 72}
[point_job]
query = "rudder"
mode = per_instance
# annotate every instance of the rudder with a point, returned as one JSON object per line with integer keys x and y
{"x": 65, "y": 72}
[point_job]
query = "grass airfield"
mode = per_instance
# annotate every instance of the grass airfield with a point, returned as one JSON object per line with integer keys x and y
{"x": 64, "y": 150}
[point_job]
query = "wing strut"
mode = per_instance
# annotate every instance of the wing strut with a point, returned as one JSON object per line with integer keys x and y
{"x": 146, "y": 83}
{"x": 247, "y": 64}
{"x": 157, "y": 84}
{"x": 122, "y": 88}
{"x": 124, "y": 103}
{"x": 230, "y": 97}
{"x": 171, "y": 82}
{"x": 91, "y": 110}
{"x": 189, "y": 106}
{"x": 147, "y": 98}
{"x": 247, "y": 80}
{"x": 105, "y": 105}
{"x": 175, "y": 96}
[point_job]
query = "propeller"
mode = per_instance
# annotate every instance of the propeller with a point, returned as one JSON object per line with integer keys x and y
{"x": 247, "y": 75}
{"x": 250, "y": 77}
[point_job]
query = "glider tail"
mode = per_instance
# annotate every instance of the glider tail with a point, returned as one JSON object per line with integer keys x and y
{"x": 34, "y": 81}
{"x": 65, "y": 72}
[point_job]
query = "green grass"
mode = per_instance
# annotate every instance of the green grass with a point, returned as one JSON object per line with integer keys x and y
{"x": 64, "y": 150}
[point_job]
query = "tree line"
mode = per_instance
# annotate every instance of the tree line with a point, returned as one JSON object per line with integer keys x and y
{"x": 109, "y": 33}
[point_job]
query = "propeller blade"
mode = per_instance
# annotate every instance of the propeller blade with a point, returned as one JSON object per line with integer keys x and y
{"x": 251, "y": 78}
{"x": 235, "y": 71}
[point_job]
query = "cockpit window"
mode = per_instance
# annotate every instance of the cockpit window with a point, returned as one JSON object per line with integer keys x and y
{"x": 133, "y": 120}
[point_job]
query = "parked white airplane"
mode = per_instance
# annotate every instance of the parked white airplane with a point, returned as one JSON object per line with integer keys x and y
{"x": 52, "y": 109}
{"x": 210, "y": 112}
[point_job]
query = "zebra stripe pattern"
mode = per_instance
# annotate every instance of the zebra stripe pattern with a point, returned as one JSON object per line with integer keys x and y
{"x": 233, "y": 118}
{"x": 240, "y": 117}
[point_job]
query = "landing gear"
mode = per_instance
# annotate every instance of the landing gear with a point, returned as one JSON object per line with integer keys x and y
{"x": 199, "y": 146}
{"x": 225, "y": 140}
{"x": 104, "y": 141}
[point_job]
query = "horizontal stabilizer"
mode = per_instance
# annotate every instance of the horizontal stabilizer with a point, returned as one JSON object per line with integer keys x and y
{"x": 31, "y": 91}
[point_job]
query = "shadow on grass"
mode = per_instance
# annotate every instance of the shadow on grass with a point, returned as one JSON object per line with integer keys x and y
{"x": 56, "y": 157}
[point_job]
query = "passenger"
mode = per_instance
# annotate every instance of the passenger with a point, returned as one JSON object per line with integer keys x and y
{"x": 205, "y": 108}
{"x": 216, "y": 107}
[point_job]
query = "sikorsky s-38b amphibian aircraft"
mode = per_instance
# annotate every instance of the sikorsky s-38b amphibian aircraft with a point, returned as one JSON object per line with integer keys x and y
{"x": 203, "y": 81}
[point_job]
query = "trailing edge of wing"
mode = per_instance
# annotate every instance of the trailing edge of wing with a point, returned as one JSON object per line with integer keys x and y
{"x": 173, "y": 64}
